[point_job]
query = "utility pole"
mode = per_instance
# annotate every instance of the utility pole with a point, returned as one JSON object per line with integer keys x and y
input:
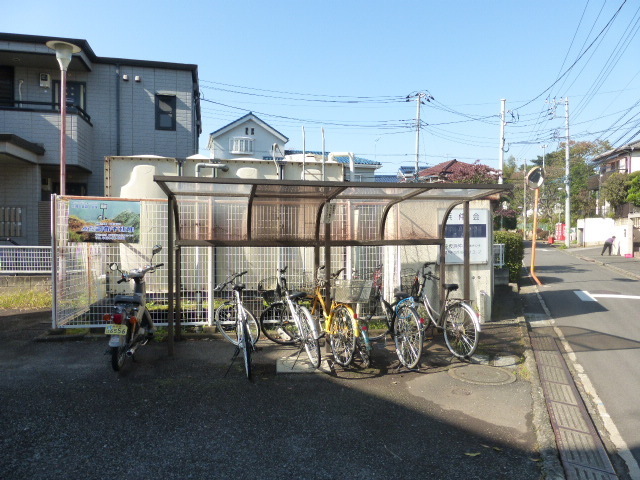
{"x": 567, "y": 204}
{"x": 524, "y": 196}
{"x": 503, "y": 103}
{"x": 419, "y": 96}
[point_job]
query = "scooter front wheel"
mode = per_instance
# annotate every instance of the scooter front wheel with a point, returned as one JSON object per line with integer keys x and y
{"x": 118, "y": 356}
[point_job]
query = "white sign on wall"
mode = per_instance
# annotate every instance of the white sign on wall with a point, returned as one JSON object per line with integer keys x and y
{"x": 478, "y": 236}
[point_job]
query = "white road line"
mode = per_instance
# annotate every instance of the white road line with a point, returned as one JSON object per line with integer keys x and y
{"x": 611, "y": 295}
{"x": 584, "y": 296}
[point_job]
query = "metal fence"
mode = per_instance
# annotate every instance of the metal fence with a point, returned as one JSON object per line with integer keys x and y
{"x": 19, "y": 260}
{"x": 84, "y": 285}
{"x": 498, "y": 255}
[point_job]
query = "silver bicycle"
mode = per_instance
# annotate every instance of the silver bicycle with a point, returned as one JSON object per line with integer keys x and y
{"x": 457, "y": 318}
{"x": 232, "y": 318}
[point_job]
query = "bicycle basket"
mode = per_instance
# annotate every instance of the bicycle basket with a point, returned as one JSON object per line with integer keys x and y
{"x": 268, "y": 288}
{"x": 351, "y": 291}
{"x": 409, "y": 283}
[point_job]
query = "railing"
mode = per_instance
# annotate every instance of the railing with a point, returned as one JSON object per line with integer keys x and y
{"x": 16, "y": 260}
{"x": 30, "y": 106}
{"x": 498, "y": 255}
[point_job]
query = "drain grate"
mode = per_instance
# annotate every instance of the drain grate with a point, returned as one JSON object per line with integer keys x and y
{"x": 581, "y": 450}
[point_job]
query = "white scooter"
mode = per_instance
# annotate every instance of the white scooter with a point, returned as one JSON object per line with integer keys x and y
{"x": 130, "y": 324}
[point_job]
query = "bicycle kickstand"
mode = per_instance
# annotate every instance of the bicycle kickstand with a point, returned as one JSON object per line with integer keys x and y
{"x": 298, "y": 355}
{"x": 233, "y": 359}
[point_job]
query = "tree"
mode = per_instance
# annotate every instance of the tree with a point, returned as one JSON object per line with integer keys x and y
{"x": 633, "y": 195}
{"x": 615, "y": 190}
{"x": 474, "y": 173}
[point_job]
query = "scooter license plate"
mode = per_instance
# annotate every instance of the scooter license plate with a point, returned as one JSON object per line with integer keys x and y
{"x": 115, "y": 329}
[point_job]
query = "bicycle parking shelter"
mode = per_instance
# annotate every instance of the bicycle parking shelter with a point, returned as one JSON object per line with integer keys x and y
{"x": 318, "y": 214}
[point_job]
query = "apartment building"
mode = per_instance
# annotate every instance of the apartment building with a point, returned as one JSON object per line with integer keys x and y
{"x": 115, "y": 106}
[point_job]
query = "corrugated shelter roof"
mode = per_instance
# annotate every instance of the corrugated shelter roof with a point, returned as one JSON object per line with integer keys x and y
{"x": 295, "y": 213}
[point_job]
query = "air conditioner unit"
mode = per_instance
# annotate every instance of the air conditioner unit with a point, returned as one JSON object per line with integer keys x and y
{"x": 45, "y": 80}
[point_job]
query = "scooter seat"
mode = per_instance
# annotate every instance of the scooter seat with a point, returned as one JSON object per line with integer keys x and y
{"x": 128, "y": 299}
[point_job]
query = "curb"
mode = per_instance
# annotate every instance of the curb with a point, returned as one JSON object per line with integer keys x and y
{"x": 546, "y": 438}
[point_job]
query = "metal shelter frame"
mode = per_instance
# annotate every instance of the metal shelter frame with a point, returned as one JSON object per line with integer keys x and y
{"x": 411, "y": 214}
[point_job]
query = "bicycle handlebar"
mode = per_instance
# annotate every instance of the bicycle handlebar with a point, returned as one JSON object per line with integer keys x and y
{"x": 229, "y": 280}
{"x": 138, "y": 273}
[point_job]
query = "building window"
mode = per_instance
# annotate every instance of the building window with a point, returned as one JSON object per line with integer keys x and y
{"x": 76, "y": 95}
{"x": 165, "y": 112}
{"x": 6, "y": 86}
{"x": 242, "y": 145}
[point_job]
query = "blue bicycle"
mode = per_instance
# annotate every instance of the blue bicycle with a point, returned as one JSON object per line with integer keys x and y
{"x": 400, "y": 320}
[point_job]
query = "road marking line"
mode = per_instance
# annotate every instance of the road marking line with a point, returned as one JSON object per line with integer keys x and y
{"x": 584, "y": 296}
{"x": 611, "y": 295}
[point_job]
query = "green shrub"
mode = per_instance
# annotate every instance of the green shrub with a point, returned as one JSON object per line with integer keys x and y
{"x": 513, "y": 252}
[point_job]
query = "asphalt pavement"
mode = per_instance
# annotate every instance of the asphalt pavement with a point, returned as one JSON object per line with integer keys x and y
{"x": 66, "y": 414}
{"x": 584, "y": 451}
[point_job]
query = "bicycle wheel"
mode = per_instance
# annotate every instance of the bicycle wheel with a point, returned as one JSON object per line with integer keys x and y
{"x": 246, "y": 347}
{"x": 461, "y": 330}
{"x": 226, "y": 316}
{"x": 309, "y": 335}
{"x": 407, "y": 333}
{"x": 363, "y": 352}
{"x": 277, "y": 325}
{"x": 342, "y": 336}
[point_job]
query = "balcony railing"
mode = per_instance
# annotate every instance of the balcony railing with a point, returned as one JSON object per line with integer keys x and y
{"x": 30, "y": 106}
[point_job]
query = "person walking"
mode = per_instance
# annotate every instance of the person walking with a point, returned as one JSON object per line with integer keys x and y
{"x": 608, "y": 243}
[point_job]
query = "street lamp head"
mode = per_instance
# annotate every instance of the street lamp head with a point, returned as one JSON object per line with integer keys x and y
{"x": 64, "y": 52}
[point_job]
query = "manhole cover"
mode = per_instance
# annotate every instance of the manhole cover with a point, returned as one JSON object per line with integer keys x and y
{"x": 482, "y": 375}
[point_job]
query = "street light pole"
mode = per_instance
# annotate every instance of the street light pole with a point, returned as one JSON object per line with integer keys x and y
{"x": 567, "y": 204}
{"x": 64, "y": 52}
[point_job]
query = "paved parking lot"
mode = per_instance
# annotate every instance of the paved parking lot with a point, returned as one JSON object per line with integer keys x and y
{"x": 66, "y": 414}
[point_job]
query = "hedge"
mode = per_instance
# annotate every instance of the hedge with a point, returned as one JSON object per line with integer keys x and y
{"x": 513, "y": 252}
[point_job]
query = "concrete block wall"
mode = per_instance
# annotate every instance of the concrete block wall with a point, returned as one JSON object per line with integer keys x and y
{"x": 16, "y": 284}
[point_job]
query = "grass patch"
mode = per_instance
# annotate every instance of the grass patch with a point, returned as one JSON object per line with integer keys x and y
{"x": 31, "y": 299}
{"x": 523, "y": 371}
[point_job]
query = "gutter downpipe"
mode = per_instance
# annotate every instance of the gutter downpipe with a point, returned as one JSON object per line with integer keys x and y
{"x": 304, "y": 154}
{"x": 117, "y": 109}
{"x": 211, "y": 273}
{"x": 323, "y": 156}
{"x": 352, "y": 162}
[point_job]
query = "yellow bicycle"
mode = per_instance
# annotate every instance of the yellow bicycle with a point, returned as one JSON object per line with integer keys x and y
{"x": 339, "y": 321}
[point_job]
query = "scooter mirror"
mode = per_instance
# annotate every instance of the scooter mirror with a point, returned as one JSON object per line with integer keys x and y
{"x": 113, "y": 266}
{"x": 156, "y": 249}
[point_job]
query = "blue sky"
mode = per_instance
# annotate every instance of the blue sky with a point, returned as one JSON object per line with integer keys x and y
{"x": 348, "y": 66}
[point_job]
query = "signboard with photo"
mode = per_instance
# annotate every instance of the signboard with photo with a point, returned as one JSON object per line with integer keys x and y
{"x": 110, "y": 221}
{"x": 478, "y": 236}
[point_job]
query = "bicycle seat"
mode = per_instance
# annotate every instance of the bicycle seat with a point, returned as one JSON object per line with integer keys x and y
{"x": 239, "y": 286}
{"x": 297, "y": 295}
{"x": 401, "y": 295}
{"x": 451, "y": 287}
